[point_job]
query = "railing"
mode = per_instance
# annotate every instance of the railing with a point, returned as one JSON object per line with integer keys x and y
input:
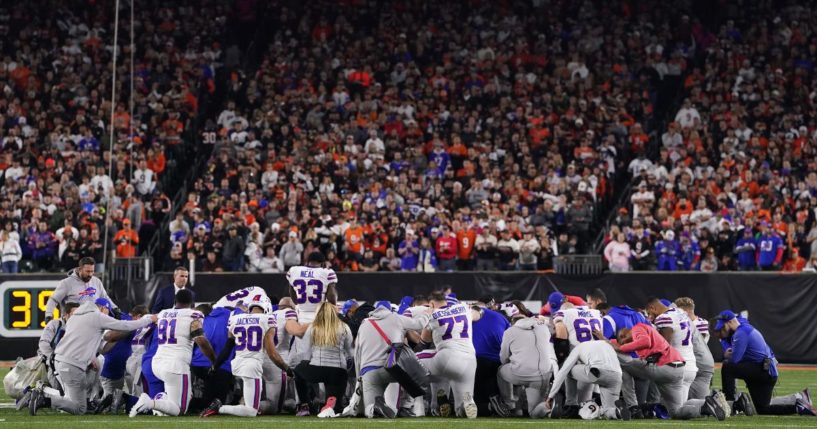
{"x": 128, "y": 269}
{"x": 578, "y": 265}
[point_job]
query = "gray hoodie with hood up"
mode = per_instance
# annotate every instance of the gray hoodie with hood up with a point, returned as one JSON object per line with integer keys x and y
{"x": 526, "y": 347}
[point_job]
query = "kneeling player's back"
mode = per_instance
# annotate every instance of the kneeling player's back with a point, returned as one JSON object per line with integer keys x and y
{"x": 173, "y": 334}
{"x": 451, "y": 328}
{"x": 249, "y": 330}
{"x": 310, "y": 285}
{"x": 580, "y": 323}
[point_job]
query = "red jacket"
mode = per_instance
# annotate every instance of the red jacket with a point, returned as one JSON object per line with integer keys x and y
{"x": 446, "y": 248}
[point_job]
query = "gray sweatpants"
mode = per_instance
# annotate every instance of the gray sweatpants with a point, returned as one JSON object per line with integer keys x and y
{"x": 374, "y": 385}
{"x": 535, "y": 388}
{"x": 700, "y": 387}
{"x": 609, "y": 383}
{"x": 73, "y": 380}
{"x": 670, "y": 384}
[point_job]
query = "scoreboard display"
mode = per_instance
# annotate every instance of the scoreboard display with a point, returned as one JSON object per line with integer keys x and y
{"x": 23, "y": 305}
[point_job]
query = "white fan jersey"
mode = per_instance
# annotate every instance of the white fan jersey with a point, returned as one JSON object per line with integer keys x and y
{"x": 681, "y": 327}
{"x": 242, "y": 297}
{"x": 283, "y": 340}
{"x": 175, "y": 345}
{"x": 249, "y": 330}
{"x": 580, "y": 323}
{"x": 310, "y": 286}
{"x": 451, "y": 328}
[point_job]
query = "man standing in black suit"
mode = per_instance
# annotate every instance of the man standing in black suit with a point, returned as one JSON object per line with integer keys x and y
{"x": 165, "y": 298}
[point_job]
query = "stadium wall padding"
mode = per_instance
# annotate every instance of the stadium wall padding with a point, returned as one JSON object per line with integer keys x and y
{"x": 781, "y": 306}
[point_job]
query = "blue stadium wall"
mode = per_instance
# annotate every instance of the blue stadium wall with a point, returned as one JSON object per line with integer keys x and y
{"x": 782, "y": 307}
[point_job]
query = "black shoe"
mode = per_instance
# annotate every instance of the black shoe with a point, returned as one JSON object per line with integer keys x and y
{"x": 381, "y": 409}
{"x": 558, "y": 406}
{"x": 636, "y": 413}
{"x": 212, "y": 409}
{"x": 744, "y": 404}
{"x": 406, "y": 412}
{"x": 103, "y": 404}
{"x": 499, "y": 407}
{"x": 648, "y": 411}
{"x": 443, "y": 404}
{"x": 571, "y": 412}
{"x": 714, "y": 408}
{"x": 624, "y": 410}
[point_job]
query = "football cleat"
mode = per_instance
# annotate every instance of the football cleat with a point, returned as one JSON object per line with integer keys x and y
{"x": 744, "y": 404}
{"x": 444, "y": 405}
{"x": 623, "y": 410}
{"x": 723, "y": 403}
{"x": 24, "y": 400}
{"x": 499, "y": 407}
{"x": 35, "y": 398}
{"x": 303, "y": 410}
{"x": 714, "y": 408}
{"x": 212, "y": 409}
{"x": 328, "y": 409}
{"x": 106, "y": 402}
{"x": 805, "y": 409}
{"x": 140, "y": 405}
{"x": 805, "y": 395}
{"x": 381, "y": 409}
{"x": 469, "y": 405}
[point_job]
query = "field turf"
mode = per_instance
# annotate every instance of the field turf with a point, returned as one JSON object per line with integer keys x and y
{"x": 791, "y": 380}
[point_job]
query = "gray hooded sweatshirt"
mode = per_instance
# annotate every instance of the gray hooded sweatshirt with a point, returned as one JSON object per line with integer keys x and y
{"x": 526, "y": 347}
{"x": 70, "y": 288}
{"x": 83, "y": 334}
{"x": 371, "y": 349}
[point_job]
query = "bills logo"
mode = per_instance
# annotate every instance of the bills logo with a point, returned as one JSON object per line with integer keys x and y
{"x": 91, "y": 291}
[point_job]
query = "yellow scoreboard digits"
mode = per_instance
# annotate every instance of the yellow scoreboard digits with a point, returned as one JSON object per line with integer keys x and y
{"x": 25, "y": 308}
{"x": 42, "y": 301}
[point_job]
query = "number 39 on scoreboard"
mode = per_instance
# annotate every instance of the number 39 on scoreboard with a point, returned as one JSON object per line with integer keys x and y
{"x": 22, "y": 303}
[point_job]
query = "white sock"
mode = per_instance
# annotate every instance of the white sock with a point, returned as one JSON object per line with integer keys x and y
{"x": 166, "y": 406}
{"x": 238, "y": 410}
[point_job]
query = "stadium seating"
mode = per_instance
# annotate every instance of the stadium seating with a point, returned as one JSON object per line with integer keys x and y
{"x": 472, "y": 135}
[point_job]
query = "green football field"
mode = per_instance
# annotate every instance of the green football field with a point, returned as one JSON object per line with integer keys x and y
{"x": 791, "y": 380}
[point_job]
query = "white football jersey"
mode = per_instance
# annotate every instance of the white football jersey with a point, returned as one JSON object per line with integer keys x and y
{"x": 138, "y": 341}
{"x": 681, "y": 327}
{"x": 310, "y": 286}
{"x": 175, "y": 345}
{"x": 702, "y": 325}
{"x": 580, "y": 323}
{"x": 451, "y": 328}
{"x": 283, "y": 340}
{"x": 242, "y": 297}
{"x": 414, "y": 312}
{"x": 249, "y": 330}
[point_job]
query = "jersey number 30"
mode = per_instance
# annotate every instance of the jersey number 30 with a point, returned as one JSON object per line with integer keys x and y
{"x": 311, "y": 291}
{"x": 248, "y": 338}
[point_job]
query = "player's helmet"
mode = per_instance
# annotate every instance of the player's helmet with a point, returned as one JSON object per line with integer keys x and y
{"x": 263, "y": 304}
{"x": 589, "y": 411}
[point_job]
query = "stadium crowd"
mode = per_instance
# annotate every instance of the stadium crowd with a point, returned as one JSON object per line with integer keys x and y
{"x": 55, "y": 133}
{"x": 478, "y": 136}
{"x": 733, "y": 185}
{"x": 483, "y": 137}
